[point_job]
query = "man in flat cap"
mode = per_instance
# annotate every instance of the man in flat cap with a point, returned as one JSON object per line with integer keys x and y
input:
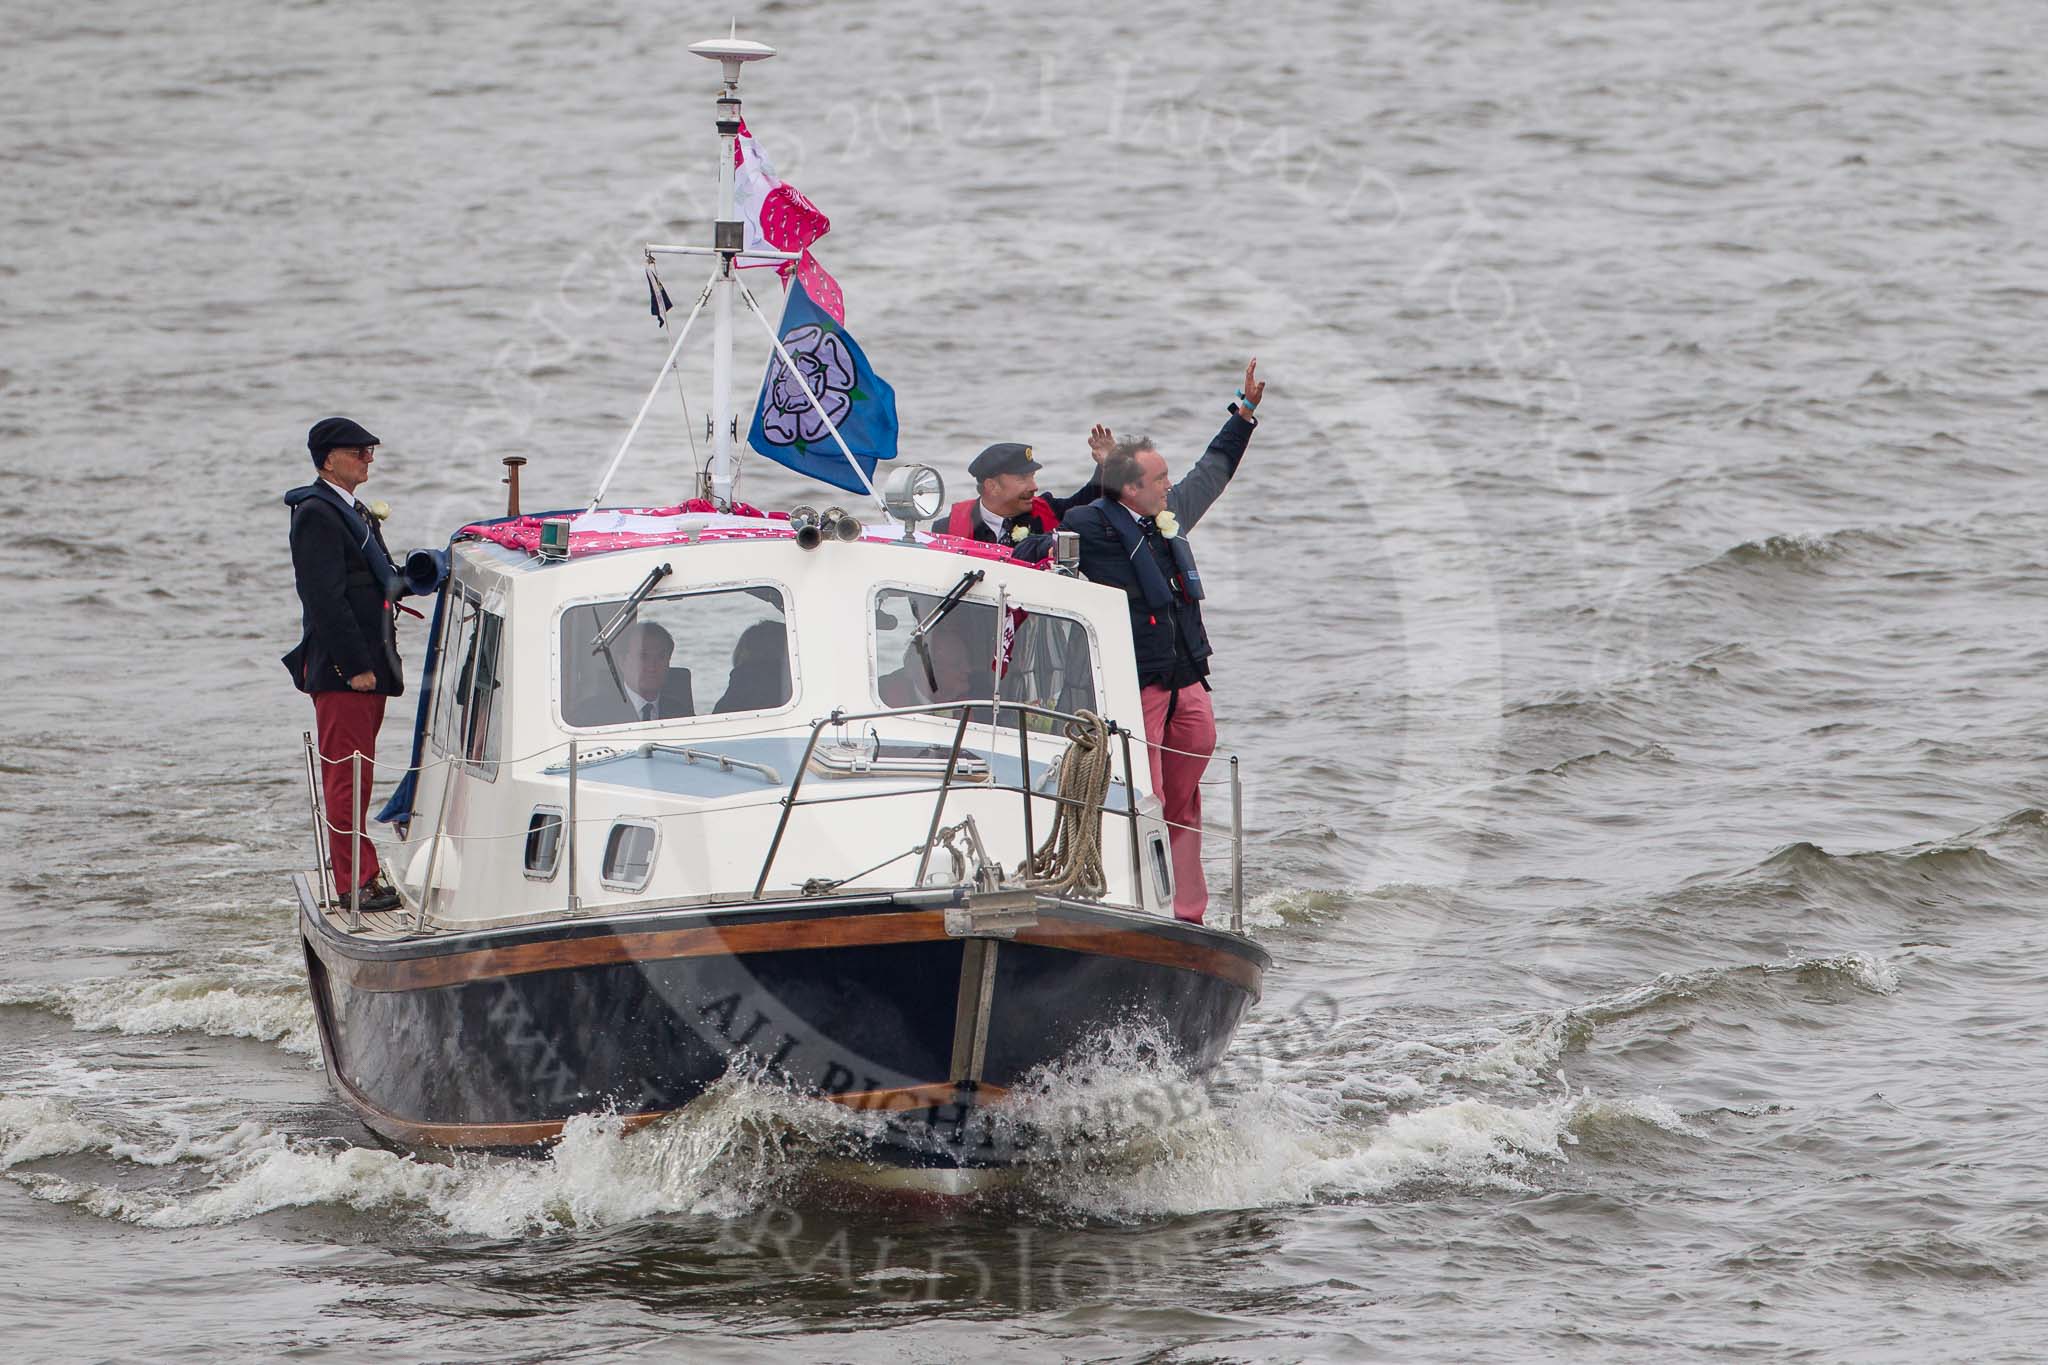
{"x": 347, "y": 657}
{"x": 1007, "y": 507}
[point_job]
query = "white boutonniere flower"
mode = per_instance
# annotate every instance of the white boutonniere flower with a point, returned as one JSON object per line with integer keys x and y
{"x": 381, "y": 510}
{"x": 1018, "y": 532}
{"x": 1168, "y": 524}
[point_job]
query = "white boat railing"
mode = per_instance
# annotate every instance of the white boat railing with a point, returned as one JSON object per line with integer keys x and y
{"x": 970, "y": 711}
{"x": 966, "y": 710}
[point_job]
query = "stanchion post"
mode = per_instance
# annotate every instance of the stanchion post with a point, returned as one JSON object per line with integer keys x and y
{"x": 796, "y": 782}
{"x": 1236, "y": 849}
{"x": 939, "y": 802}
{"x": 1024, "y": 784}
{"x": 355, "y": 840}
{"x": 327, "y": 874}
{"x": 450, "y": 773}
{"x": 569, "y": 831}
{"x": 1131, "y": 810}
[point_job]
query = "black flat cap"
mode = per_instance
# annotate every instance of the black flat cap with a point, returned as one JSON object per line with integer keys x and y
{"x": 1004, "y": 457}
{"x": 329, "y": 432}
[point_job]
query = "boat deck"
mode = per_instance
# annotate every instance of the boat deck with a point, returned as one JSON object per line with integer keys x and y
{"x": 403, "y": 924}
{"x": 388, "y": 926}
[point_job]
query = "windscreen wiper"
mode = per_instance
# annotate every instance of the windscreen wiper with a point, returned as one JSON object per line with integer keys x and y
{"x": 629, "y": 606}
{"x": 954, "y": 596}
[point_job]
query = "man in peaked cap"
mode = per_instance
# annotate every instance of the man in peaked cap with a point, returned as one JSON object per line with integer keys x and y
{"x": 347, "y": 657}
{"x": 1008, "y": 509}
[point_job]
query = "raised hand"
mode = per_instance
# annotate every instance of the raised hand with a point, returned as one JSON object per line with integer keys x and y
{"x": 1100, "y": 442}
{"x": 1254, "y": 387}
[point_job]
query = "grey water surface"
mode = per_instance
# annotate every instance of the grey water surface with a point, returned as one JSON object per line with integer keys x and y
{"x": 1630, "y": 617}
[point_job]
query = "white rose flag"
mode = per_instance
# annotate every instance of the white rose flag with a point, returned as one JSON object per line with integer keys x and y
{"x": 831, "y": 368}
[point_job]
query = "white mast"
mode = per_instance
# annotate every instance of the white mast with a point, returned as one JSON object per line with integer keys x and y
{"x": 728, "y": 239}
{"x": 728, "y": 244}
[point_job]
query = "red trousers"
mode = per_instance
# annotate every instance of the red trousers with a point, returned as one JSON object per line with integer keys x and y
{"x": 1177, "y": 778}
{"x": 347, "y": 724}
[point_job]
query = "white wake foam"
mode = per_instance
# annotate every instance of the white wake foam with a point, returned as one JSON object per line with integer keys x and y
{"x": 1255, "y": 1155}
{"x": 1119, "y": 1132}
{"x": 1124, "y": 1135}
{"x": 726, "y": 1155}
{"x": 34, "y": 1128}
{"x": 1524, "y": 1055}
{"x": 1118, "y": 1145}
{"x": 278, "y": 1012}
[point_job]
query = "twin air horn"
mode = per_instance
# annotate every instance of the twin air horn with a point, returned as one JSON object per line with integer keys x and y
{"x": 814, "y": 529}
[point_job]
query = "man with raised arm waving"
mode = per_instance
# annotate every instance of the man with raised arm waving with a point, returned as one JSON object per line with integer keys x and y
{"x": 1135, "y": 537}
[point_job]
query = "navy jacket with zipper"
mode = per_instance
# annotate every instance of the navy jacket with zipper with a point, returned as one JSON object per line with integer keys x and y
{"x": 1171, "y": 645}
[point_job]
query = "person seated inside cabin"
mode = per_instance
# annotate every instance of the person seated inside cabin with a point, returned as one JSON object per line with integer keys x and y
{"x": 643, "y": 687}
{"x": 960, "y": 669}
{"x": 760, "y": 670}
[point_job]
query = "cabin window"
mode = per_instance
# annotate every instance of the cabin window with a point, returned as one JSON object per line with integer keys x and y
{"x": 1051, "y": 664}
{"x": 543, "y": 843}
{"x": 468, "y": 718}
{"x": 458, "y": 624}
{"x": 629, "y": 856}
{"x": 723, "y": 652}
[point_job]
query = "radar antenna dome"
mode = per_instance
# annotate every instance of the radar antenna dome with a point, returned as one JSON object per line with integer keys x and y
{"x": 732, "y": 52}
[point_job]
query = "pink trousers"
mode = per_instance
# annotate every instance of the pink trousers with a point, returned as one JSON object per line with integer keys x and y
{"x": 1177, "y": 778}
{"x": 347, "y": 723}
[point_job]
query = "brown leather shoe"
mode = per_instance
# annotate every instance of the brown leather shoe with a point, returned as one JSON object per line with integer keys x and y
{"x": 379, "y": 896}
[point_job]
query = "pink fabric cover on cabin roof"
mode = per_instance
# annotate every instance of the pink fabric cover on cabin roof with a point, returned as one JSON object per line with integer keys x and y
{"x": 523, "y": 533}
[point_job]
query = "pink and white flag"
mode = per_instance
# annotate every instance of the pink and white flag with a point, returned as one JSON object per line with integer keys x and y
{"x": 779, "y": 218}
{"x": 1009, "y": 621}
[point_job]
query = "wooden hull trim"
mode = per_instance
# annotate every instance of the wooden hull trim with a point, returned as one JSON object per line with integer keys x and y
{"x": 427, "y": 972}
{"x": 1138, "y": 946}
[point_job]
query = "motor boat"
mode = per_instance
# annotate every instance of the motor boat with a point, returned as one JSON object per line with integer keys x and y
{"x": 841, "y": 803}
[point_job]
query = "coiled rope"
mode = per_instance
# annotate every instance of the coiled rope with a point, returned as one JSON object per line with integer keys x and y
{"x": 1069, "y": 862}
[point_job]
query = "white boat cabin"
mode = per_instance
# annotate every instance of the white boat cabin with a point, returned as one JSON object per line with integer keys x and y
{"x": 692, "y": 711}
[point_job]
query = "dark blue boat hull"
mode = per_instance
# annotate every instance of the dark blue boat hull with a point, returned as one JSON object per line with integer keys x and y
{"x": 494, "y": 1040}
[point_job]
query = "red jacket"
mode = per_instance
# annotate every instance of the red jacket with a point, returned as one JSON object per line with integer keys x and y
{"x": 966, "y": 520}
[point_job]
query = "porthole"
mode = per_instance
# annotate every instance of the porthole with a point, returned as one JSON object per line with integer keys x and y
{"x": 629, "y": 855}
{"x": 1162, "y": 871}
{"x": 543, "y": 843}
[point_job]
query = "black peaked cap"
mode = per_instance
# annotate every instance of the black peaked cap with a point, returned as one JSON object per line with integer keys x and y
{"x": 1004, "y": 457}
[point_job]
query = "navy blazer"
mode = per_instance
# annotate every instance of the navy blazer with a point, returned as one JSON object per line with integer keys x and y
{"x": 346, "y": 583}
